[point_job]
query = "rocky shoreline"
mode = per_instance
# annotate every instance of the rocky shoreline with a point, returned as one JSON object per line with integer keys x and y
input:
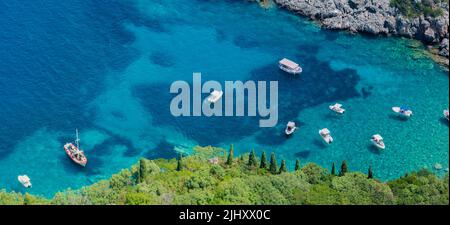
{"x": 377, "y": 17}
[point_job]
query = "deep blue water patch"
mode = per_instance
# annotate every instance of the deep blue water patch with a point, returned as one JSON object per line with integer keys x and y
{"x": 58, "y": 57}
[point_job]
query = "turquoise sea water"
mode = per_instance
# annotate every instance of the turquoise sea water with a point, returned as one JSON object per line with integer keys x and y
{"x": 105, "y": 67}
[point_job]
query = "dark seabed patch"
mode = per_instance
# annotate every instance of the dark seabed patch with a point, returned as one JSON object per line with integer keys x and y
{"x": 164, "y": 150}
{"x": 317, "y": 84}
{"x": 397, "y": 117}
{"x": 331, "y": 35}
{"x": 243, "y": 41}
{"x": 277, "y": 136}
{"x": 319, "y": 144}
{"x": 366, "y": 91}
{"x": 204, "y": 130}
{"x": 118, "y": 115}
{"x": 307, "y": 52}
{"x": 162, "y": 59}
{"x": 303, "y": 154}
{"x": 220, "y": 35}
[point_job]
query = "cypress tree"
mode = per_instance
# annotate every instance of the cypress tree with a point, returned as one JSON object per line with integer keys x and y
{"x": 263, "y": 164}
{"x": 273, "y": 164}
{"x": 344, "y": 168}
{"x": 252, "y": 159}
{"x": 297, "y": 165}
{"x": 333, "y": 170}
{"x": 283, "y": 167}
{"x": 370, "y": 174}
{"x": 230, "y": 155}
{"x": 142, "y": 170}
{"x": 179, "y": 163}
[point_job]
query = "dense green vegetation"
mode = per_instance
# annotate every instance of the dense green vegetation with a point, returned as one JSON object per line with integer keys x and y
{"x": 414, "y": 8}
{"x": 213, "y": 176}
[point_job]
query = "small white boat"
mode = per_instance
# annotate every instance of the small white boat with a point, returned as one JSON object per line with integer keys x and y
{"x": 337, "y": 108}
{"x": 437, "y": 166}
{"x": 215, "y": 96}
{"x": 24, "y": 180}
{"x": 289, "y": 66}
{"x": 403, "y": 111}
{"x": 378, "y": 141}
{"x": 290, "y": 128}
{"x": 446, "y": 114}
{"x": 326, "y": 136}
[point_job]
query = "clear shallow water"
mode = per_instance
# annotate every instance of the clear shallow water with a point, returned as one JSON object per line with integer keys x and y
{"x": 105, "y": 67}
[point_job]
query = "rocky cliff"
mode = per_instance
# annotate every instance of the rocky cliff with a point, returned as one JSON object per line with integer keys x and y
{"x": 375, "y": 17}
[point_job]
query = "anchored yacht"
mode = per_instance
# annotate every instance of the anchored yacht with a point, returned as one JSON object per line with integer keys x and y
{"x": 74, "y": 152}
{"x": 289, "y": 66}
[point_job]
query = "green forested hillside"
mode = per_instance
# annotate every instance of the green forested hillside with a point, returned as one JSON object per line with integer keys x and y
{"x": 414, "y": 8}
{"x": 197, "y": 179}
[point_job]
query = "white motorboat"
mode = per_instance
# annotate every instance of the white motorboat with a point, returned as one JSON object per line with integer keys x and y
{"x": 446, "y": 114}
{"x": 326, "y": 136}
{"x": 378, "y": 141}
{"x": 437, "y": 166}
{"x": 337, "y": 108}
{"x": 24, "y": 180}
{"x": 215, "y": 96}
{"x": 290, "y": 128}
{"x": 403, "y": 111}
{"x": 289, "y": 66}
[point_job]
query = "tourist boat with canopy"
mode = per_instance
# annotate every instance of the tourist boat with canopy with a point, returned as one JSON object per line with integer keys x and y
{"x": 215, "y": 96}
{"x": 24, "y": 180}
{"x": 403, "y": 111}
{"x": 326, "y": 135}
{"x": 74, "y": 152}
{"x": 337, "y": 108}
{"x": 378, "y": 141}
{"x": 290, "y": 128}
{"x": 289, "y": 66}
{"x": 446, "y": 114}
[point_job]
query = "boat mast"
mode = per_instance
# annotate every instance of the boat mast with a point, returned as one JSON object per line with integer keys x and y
{"x": 77, "y": 141}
